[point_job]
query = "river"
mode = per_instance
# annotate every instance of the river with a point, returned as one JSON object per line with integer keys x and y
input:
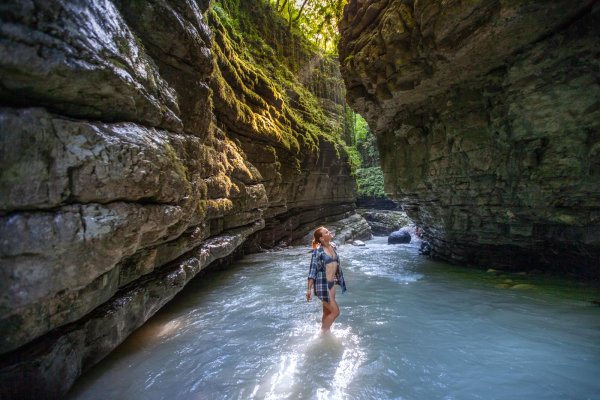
{"x": 410, "y": 328}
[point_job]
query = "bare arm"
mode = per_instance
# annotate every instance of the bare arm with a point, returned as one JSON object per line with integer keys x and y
{"x": 310, "y": 283}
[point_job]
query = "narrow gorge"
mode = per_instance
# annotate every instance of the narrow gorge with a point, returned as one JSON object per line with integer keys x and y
{"x": 143, "y": 142}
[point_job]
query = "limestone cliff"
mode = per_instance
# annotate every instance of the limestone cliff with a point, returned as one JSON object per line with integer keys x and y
{"x": 487, "y": 116}
{"x": 263, "y": 99}
{"x": 140, "y": 142}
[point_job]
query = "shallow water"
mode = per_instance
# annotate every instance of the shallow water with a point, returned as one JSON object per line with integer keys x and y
{"x": 410, "y": 328}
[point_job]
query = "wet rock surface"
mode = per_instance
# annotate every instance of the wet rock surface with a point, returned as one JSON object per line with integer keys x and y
{"x": 487, "y": 116}
{"x": 399, "y": 236}
{"x": 352, "y": 227}
{"x": 124, "y": 172}
{"x": 384, "y": 222}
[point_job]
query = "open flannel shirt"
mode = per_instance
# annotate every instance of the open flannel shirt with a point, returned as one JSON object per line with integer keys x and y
{"x": 316, "y": 272}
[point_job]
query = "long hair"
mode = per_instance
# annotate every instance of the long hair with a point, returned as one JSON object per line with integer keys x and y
{"x": 317, "y": 236}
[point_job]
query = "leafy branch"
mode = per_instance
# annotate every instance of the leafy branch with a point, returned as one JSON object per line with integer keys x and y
{"x": 317, "y": 19}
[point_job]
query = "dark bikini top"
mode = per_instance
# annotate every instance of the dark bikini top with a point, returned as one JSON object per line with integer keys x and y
{"x": 327, "y": 258}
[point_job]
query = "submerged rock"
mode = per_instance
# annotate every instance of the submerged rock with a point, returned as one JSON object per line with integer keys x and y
{"x": 503, "y": 286}
{"x": 425, "y": 248}
{"x": 523, "y": 286}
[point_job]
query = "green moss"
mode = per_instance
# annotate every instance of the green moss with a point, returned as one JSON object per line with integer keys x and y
{"x": 273, "y": 84}
{"x": 254, "y": 85}
{"x": 201, "y": 208}
{"x": 179, "y": 166}
{"x": 122, "y": 44}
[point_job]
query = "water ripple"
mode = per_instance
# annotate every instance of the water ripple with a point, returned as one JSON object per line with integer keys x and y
{"x": 410, "y": 328}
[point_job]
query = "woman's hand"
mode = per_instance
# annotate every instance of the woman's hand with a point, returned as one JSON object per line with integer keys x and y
{"x": 308, "y": 295}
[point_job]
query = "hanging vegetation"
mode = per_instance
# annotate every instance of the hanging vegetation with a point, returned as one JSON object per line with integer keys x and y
{"x": 317, "y": 19}
{"x": 295, "y": 54}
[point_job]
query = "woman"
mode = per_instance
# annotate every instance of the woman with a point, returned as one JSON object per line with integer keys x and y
{"x": 324, "y": 273}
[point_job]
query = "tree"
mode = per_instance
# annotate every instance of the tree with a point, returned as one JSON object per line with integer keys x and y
{"x": 300, "y": 11}
{"x": 317, "y": 19}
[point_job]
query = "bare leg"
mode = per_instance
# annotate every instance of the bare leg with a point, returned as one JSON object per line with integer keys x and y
{"x": 326, "y": 313}
{"x": 333, "y": 311}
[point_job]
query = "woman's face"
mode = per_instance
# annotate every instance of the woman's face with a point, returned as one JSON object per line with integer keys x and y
{"x": 326, "y": 236}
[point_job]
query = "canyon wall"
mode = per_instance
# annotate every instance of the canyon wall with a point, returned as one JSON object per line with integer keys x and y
{"x": 140, "y": 143}
{"x": 487, "y": 116}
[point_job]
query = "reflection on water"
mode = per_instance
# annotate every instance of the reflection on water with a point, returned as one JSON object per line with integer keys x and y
{"x": 336, "y": 359}
{"x": 410, "y": 328}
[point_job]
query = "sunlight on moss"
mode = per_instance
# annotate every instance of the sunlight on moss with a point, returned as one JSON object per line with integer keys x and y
{"x": 272, "y": 84}
{"x": 179, "y": 166}
{"x": 244, "y": 87}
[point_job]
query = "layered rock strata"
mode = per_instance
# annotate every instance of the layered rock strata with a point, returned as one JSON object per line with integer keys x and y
{"x": 131, "y": 159}
{"x": 487, "y": 118}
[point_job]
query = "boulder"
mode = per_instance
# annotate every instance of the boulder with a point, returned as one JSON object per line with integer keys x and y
{"x": 384, "y": 222}
{"x": 399, "y": 236}
{"x": 425, "y": 248}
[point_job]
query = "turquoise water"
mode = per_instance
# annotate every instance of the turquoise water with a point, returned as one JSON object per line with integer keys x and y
{"x": 410, "y": 328}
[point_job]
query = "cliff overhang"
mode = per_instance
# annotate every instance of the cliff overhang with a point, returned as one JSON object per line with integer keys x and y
{"x": 487, "y": 119}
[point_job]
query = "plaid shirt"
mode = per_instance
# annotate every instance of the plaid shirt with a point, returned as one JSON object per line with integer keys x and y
{"x": 316, "y": 272}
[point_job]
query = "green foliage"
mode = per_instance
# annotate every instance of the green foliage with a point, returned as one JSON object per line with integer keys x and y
{"x": 365, "y": 159}
{"x": 370, "y": 182}
{"x": 354, "y": 158}
{"x": 361, "y": 128}
{"x": 316, "y": 19}
{"x": 367, "y": 148}
{"x": 364, "y": 142}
